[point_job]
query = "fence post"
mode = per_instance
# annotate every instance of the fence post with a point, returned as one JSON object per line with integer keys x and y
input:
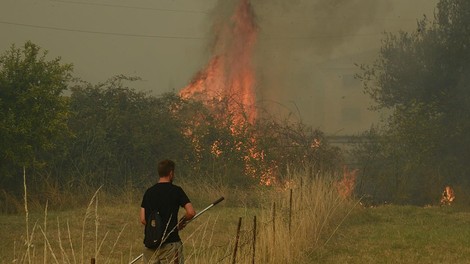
{"x": 234, "y": 258}
{"x": 254, "y": 240}
{"x": 92, "y": 260}
{"x": 290, "y": 210}
{"x": 274, "y": 224}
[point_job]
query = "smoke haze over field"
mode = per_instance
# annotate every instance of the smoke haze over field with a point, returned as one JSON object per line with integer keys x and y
{"x": 301, "y": 43}
{"x": 320, "y": 24}
{"x": 304, "y": 46}
{"x": 297, "y": 37}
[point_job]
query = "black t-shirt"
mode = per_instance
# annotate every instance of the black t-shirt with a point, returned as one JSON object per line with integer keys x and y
{"x": 166, "y": 198}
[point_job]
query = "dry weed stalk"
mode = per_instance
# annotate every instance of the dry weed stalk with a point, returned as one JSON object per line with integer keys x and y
{"x": 115, "y": 243}
{"x": 28, "y": 241}
{"x": 45, "y": 231}
{"x": 70, "y": 242}
{"x": 46, "y": 242}
{"x": 87, "y": 215}
{"x": 65, "y": 258}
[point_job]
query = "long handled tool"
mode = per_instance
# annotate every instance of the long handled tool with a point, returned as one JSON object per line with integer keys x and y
{"x": 196, "y": 216}
{"x": 207, "y": 208}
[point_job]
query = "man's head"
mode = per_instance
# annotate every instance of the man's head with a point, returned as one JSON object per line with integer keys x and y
{"x": 165, "y": 168}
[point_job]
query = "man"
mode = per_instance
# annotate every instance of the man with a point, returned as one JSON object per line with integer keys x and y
{"x": 166, "y": 198}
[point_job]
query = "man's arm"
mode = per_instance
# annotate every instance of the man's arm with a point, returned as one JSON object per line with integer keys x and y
{"x": 142, "y": 216}
{"x": 190, "y": 213}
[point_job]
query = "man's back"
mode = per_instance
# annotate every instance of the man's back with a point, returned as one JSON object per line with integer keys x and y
{"x": 167, "y": 199}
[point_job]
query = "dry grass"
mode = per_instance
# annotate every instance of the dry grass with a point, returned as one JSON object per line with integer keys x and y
{"x": 290, "y": 224}
{"x": 287, "y": 230}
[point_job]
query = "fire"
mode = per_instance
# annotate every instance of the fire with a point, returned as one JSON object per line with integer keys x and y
{"x": 228, "y": 81}
{"x": 229, "y": 74}
{"x": 448, "y": 196}
{"x": 347, "y": 184}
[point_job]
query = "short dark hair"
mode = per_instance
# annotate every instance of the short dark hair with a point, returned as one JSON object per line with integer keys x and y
{"x": 165, "y": 167}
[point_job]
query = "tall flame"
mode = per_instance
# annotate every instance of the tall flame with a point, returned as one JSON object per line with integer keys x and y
{"x": 229, "y": 74}
{"x": 229, "y": 78}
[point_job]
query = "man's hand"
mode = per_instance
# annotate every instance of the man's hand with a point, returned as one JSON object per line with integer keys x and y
{"x": 182, "y": 223}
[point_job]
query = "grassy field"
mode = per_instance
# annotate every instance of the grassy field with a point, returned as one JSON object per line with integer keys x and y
{"x": 400, "y": 234}
{"x": 290, "y": 223}
{"x": 314, "y": 226}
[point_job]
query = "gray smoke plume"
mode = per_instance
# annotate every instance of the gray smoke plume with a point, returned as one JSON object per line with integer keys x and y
{"x": 294, "y": 36}
{"x": 319, "y": 24}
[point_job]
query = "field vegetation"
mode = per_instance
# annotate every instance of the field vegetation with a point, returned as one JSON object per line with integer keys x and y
{"x": 421, "y": 80}
{"x": 401, "y": 234}
{"x": 73, "y": 169}
{"x": 76, "y": 157}
{"x": 283, "y": 225}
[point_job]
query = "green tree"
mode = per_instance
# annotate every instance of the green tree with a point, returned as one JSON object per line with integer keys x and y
{"x": 33, "y": 111}
{"x": 119, "y": 133}
{"x": 423, "y": 80}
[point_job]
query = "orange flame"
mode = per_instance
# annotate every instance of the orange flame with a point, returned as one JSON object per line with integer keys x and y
{"x": 448, "y": 196}
{"x": 347, "y": 184}
{"x": 229, "y": 74}
{"x": 229, "y": 77}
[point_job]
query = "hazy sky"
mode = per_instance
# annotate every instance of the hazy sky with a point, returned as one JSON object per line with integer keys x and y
{"x": 165, "y": 42}
{"x": 161, "y": 41}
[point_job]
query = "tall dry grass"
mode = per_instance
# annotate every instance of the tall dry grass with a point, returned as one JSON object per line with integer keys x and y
{"x": 285, "y": 226}
{"x": 279, "y": 224}
{"x": 78, "y": 244}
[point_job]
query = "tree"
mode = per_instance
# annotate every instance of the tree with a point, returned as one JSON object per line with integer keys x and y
{"x": 119, "y": 133}
{"x": 33, "y": 111}
{"x": 423, "y": 79}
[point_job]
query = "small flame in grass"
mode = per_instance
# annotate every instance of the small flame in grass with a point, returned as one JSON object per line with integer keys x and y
{"x": 448, "y": 196}
{"x": 346, "y": 185}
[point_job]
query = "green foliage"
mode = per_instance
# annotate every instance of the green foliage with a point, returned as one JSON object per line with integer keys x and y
{"x": 33, "y": 111}
{"x": 422, "y": 79}
{"x": 216, "y": 151}
{"x": 239, "y": 152}
{"x": 118, "y": 133}
{"x": 293, "y": 144}
{"x": 109, "y": 134}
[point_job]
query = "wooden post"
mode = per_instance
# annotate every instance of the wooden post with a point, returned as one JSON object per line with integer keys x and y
{"x": 274, "y": 224}
{"x": 92, "y": 260}
{"x": 234, "y": 258}
{"x": 290, "y": 210}
{"x": 254, "y": 240}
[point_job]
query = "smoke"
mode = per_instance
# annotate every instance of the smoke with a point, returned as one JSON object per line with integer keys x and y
{"x": 297, "y": 38}
{"x": 320, "y": 25}
{"x": 223, "y": 37}
{"x": 293, "y": 38}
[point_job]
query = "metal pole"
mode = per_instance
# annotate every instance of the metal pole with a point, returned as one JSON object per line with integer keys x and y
{"x": 207, "y": 208}
{"x": 135, "y": 260}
